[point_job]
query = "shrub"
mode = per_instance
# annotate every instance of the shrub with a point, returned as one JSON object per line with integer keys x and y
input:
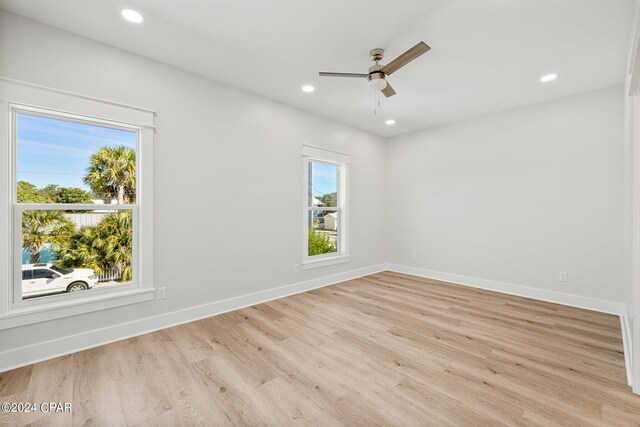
{"x": 319, "y": 243}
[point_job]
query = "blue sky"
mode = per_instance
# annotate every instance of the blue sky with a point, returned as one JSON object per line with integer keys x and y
{"x": 52, "y": 151}
{"x": 324, "y": 179}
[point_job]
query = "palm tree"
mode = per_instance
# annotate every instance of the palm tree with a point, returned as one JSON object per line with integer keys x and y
{"x": 112, "y": 172}
{"x": 116, "y": 230}
{"x": 42, "y": 227}
{"x": 80, "y": 251}
{"x": 104, "y": 246}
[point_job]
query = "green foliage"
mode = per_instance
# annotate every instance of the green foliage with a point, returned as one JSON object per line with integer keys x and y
{"x": 42, "y": 227}
{"x": 330, "y": 200}
{"x": 49, "y": 192}
{"x": 319, "y": 243}
{"x": 112, "y": 173}
{"x": 107, "y": 245}
{"x": 29, "y": 193}
{"x": 72, "y": 195}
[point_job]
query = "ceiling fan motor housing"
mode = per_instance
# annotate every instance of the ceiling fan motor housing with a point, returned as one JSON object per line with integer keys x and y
{"x": 376, "y": 54}
{"x": 375, "y": 72}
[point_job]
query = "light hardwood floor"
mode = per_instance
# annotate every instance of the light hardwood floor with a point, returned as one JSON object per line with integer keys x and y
{"x": 386, "y": 349}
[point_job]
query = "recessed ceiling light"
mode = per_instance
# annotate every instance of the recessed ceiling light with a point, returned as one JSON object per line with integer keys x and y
{"x": 548, "y": 78}
{"x": 308, "y": 88}
{"x": 132, "y": 16}
{"x": 390, "y": 122}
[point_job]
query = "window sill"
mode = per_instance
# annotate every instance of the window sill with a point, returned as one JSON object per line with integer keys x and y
{"x": 43, "y": 313}
{"x": 324, "y": 262}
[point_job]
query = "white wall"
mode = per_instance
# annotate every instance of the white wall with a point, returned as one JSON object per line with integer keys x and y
{"x": 236, "y": 157}
{"x": 516, "y": 197}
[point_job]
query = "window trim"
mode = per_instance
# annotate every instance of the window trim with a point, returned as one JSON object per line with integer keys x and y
{"x": 342, "y": 161}
{"x": 16, "y": 297}
{"x": 41, "y": 101}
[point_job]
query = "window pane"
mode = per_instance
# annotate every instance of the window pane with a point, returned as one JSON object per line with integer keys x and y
{"x": 323, "y": 232}
{"x": 61, "y": 161}
{"x": 42, "y": 273}
{"x": 70, "y": 251}
{"x": 323, "y": 185}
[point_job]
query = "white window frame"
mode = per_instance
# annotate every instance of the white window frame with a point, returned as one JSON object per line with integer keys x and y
{"x": 342, "y": 161}
{"x": 18, "y": 97}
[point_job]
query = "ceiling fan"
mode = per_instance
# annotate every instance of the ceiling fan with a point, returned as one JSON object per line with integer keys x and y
{"x": 378, "y": 73}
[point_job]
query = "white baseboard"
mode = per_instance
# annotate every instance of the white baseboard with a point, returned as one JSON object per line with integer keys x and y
{"x": 23, "y": 356}
{"x": 626, "y": 342}
{"x": 594, "y": 304}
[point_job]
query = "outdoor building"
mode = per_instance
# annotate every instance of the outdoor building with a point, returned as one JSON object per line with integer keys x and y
{"x": 331, "y": 221}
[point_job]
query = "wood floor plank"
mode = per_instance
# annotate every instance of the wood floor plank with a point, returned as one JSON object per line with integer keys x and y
{"x": 51, "y": 381}
{"x": 386, "y": 349}
{"x": 141, "y": 399}
{"x": 15, "y": 381}
{"x": 188, "y": 396}
{"x": 95, "y": 392}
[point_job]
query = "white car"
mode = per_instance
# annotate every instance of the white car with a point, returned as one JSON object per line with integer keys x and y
{"x": 44, "y": 279}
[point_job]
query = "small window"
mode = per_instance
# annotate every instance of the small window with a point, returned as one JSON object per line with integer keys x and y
{"x": 324, "y": 214}
{"x": 27, "y": 274}
{"x": 325, "y": 207}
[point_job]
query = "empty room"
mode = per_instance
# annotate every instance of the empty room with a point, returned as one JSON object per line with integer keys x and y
{"x": 338, "y": 213}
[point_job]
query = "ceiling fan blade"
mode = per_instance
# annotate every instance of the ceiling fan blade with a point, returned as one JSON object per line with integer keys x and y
{"x": 323, "y": 74}
{"x": 405, "y": 58}
{"x": 388, "y": 91}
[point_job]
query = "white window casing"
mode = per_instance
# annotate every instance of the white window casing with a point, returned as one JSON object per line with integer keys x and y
{"x": 341, "y": 161}
{"x": 19, "y": 97}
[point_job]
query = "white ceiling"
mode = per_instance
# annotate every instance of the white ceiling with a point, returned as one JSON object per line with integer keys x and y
{"x": 487, "y": 55}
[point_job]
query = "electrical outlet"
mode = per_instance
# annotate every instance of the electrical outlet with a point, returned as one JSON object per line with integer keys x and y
{"x": 296, "y": 268}
{"x": 414, "y": 255}
{"x": 563, "y": 276}
{"x": 162, "y": 293}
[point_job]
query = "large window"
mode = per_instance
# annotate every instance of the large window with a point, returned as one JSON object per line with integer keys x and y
{"x": 75, "y": 206}
{"x": 79, "y": 204}
{"x": 325, "y": 210}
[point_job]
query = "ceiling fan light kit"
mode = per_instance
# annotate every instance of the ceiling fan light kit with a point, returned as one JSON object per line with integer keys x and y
{"x": 376, "y": 78}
